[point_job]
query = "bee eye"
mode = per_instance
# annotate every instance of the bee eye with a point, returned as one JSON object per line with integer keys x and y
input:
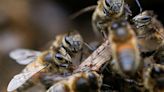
{"x": 59, "y": 56}
{"x": 67, "y": 40}
{"x": 106, "y": 12}
{"x": 107, "y": 2}
{"x": 146, "y": 18}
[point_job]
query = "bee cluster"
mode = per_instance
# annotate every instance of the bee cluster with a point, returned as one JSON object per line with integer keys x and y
{"x": 129, "y": 60}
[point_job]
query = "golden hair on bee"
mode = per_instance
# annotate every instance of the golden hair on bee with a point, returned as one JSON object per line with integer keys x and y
{"x": 154, "y": 78}
{"x": 80, "y": 82}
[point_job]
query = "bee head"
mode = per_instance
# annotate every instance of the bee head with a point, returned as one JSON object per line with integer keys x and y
{"x": 89, "y": 82}
{"x": 113, "y": 6}
{"x": 82, "y": 85}
{"x": 142, "y": 19}
{"x": 73, "y": 42}
{"x": 119, "y": 30}
{"x": 95, "y": 80}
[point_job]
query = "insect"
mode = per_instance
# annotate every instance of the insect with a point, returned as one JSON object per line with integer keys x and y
{"x": 149, "y": 31}
{"x": 48, "y": 61}
{"x": 154, "y": 78}
{"x": 73, "y": 43}
{"x": 106, "y": 12}
{"x": 89, "y": 81}
{"x": 125, "y": 53}
{"x": 57, "y": 59}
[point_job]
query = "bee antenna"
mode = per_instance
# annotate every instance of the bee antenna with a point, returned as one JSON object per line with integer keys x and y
{"x": 139, "y": 5}
{"x": 86, "y": 9}
{"x": 87, "y": 45}
{"x": 106, "y": 85}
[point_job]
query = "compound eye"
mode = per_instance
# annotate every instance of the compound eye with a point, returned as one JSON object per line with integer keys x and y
{"x": 146, "y": 18}
{"x": 59, "y": 56}
{"x": 107, "y": 2}
{"x": 67, "y": 40}
{"x": 106, "y": 12}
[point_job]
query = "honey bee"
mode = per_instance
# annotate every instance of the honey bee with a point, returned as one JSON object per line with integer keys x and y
{"x": 89, "y": 81}
{"x": 48, "y": 61}
{"x": 58, "y": 59}
{"x": 150, "y": 32}
{"x": 73, "y": 43}
{"x": 154, "y": 78}
{"x": 106, "y": 12}
{"x": 125, "y": 53}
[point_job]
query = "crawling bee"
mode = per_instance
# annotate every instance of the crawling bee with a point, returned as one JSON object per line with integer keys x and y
{"x": 48, "y": 61}
{"x": 150, "y": 32}
{"x": 126, "y": 63}
{"x": 124, "y": 48}
{"x": 154, "y": 78}
{"x": 81, "y": 82}
{"x": 55, "y": 60}
{"x": 106, "y": 12}
{"x": 72, "y": 43}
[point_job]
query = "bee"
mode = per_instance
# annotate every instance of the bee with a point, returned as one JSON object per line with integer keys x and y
{"x": 73, "y": 43}
{"x": 89, "y": 81}
{"x": 150, "y": 32}
{"x": 55, "y": 60}
{"x": 154, "y": 78}
{"x": 48, "y": 61}
{"x": 125, "y": 53}
{"x": 106, "y": 12}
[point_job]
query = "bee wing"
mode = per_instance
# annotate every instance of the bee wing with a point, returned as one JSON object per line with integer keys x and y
{"x": 19, "y": 79}
{"x": 24, "y": 56}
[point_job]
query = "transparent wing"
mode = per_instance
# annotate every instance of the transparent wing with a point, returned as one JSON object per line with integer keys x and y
{"x": 24, "y": 56}
{"x": 19, "y": 79}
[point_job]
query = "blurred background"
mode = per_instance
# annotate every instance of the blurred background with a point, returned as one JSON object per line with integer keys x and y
{"x": 33, "y": 24}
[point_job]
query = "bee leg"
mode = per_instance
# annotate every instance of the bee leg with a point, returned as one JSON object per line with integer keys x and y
{"x": 81, "y": 57}
{"x": 105, "y": 67}
{"x": 139, "y": 5}
{"x": 104, "y": 35}
{"x": 128, "y": 11}
{"x": 107, "y": 88}
{"x": 88, "y": 46}
{"x": 101, "y": 26}
{"x": 134, "y": 82}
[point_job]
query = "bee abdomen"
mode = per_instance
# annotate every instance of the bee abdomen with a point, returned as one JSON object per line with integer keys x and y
{"x": 82, "y": 85}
